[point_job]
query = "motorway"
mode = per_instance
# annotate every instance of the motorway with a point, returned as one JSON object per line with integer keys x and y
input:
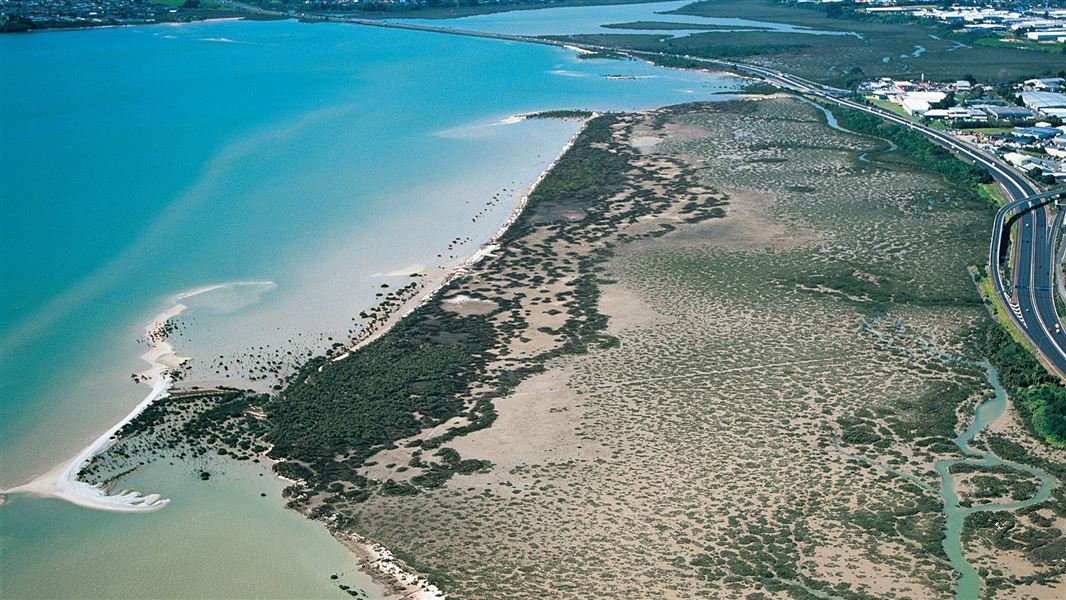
{"x": 1032, "y": 305}
{"x": 1029, "y": 301}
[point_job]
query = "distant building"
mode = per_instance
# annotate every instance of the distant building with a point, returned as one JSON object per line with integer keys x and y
{"x": 956, "y": 113}
{"x": 962, "y": 86}
{"x": 1048, "y": 84}
{"x": 1022, "y": 161}
{"x": 982, "y": 102}
{"x": 918, "y": 103}
{"x": 1036, "y": 167}
{"x": 1033, "y": 168}
{"x": 1036, "y": 133}
{"x": 1047, "y": 103}
{"x": 1054, "y": 35}
{"x": 1056, "y": 150}
{"x": 1007, "y": 113}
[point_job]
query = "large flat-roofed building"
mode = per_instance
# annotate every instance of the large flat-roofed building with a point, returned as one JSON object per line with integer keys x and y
{"x": 1047, "y": 84}
{"x": 917, "y": 103}
{"x": 1044, "y": 101}
{"x": 1055, "y": 35}
{"x": 1036, "y": 133}
{"x": 1007, "y": 113}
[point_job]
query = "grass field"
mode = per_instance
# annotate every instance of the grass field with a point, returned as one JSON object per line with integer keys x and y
{"x": 989, "y": 130}
{"x": 996, "y": 42}
{"x": 891, "y": 107}
{"x": 993, "y": 193}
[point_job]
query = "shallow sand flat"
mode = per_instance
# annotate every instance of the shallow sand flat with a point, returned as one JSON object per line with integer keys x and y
{"x": 534, "y": 427}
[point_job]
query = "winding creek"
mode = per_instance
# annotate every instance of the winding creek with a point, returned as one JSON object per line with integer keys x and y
{"x": 832, "y": 122}
{"x": 969, "y": 583}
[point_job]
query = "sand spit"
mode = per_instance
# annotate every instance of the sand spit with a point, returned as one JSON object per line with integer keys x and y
{"x": 404, "y": 272}
{"x": 220, "y": 286}
{"x": 578, "y": 49}
{"x": 472, "y": 129}
{"x": 62, "y": 481}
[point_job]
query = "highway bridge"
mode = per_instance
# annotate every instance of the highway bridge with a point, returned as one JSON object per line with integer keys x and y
{"x": 1031, "y": 305}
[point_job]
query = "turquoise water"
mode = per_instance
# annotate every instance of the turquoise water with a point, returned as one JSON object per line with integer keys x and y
{"x": 153, "y": 160}
{"x": 142, "y": 162}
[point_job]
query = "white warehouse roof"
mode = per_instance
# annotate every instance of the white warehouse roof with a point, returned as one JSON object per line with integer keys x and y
{"x": 1042, "y": 100}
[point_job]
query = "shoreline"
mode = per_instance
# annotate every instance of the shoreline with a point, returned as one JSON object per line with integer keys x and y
{"x": 61, "y": 481}
{"x": 375, "y": 559}
{"x": 437, "y": 283}
{"x": 248, "y": 17}
{"x": 253, "y": 13}
{"x": 397, "y": 578}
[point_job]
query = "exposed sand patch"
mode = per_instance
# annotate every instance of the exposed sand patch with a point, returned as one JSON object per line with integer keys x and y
{"x": 535, "y": 425}
{"x": 646, "y": 142}
{"x": 465, "y": 305}
{"x": 749, "y": 227}
{"x": 627, "y": 309}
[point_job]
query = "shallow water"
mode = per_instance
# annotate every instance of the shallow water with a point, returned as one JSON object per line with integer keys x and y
{"x": 324, "y": 159}
{"x": 591, "y": 19}
{"x": 218, "y": 539}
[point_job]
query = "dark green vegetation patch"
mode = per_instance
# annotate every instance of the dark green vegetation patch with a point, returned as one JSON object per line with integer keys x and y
{"x": 439, "y": 369}
{"x": 1038, "y": 396}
